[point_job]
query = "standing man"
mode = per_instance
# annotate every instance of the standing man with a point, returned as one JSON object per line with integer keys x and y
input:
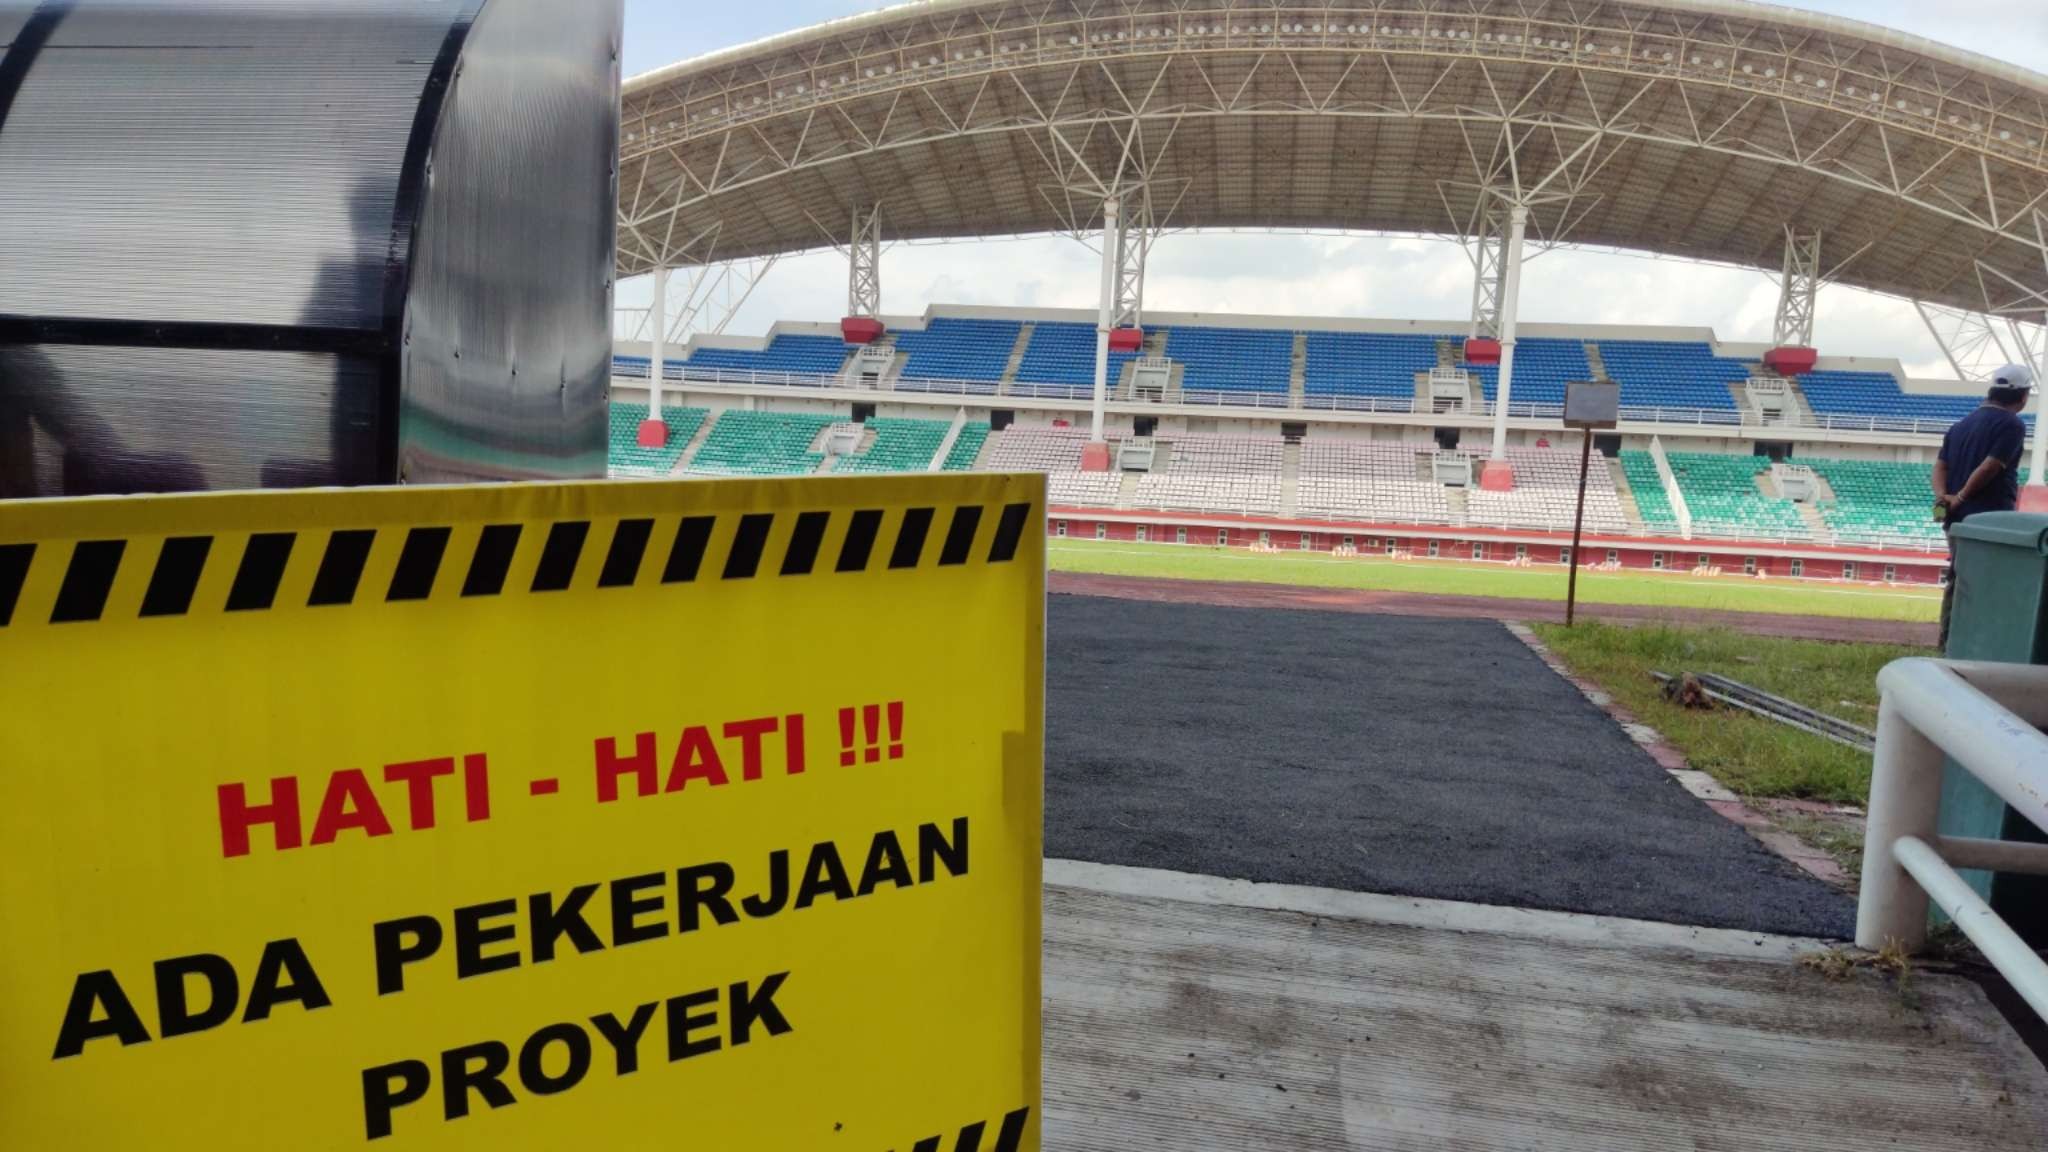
{"x": 1979, "y": 465}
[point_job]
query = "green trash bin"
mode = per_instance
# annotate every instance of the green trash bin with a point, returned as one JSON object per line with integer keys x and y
{"x": 2000, "y": 614}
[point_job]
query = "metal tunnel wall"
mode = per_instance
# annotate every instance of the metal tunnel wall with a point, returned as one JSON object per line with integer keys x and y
{"x": 279, "y": 243}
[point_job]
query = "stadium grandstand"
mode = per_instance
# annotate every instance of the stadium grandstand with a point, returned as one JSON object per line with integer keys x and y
{"x": 1309, "y": 849}
{"x": 1813, "y": 149}
{"x": 1340, "y": 430}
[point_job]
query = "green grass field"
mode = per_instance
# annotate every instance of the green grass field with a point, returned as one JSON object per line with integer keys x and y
{"x": 1753, "y": 756}
{"x": 1463, "y": 578}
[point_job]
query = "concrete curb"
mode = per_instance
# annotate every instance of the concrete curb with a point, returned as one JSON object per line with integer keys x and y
{"x": 1705, "y": 788}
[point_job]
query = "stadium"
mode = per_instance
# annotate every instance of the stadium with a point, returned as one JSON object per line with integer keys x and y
{"x": 1425, "y": 764}
{"x": 1707, "y": 132}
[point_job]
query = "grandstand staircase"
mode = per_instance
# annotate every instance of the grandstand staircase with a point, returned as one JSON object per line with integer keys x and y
{"x": 1815, "y": 522}
{"x": 1594, "y": 362}
{"x": 1809, "y": 510}
{"x": 697, "y": 441}
{"x": 1802, "y": 412}
{"x": 945, "y": 448}
{"x": 849, "y": 372}
{"x": 1290, "y": 479}
{"x": 1297, "y": 374}
{"x": 1624, "y": 493}
{"x": 1016, "y": 358}
{"x": 1743, "y": 404}
{"x": 1460, "y": 501}
{"x": 1127, "y": 489}
{"x": 1447, "y": 354}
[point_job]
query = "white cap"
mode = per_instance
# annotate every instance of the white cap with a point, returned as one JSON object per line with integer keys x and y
{"x": 2013, "y": 376}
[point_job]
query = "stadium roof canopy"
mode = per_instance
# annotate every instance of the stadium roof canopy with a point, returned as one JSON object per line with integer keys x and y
{"x": 1697, "y": 128}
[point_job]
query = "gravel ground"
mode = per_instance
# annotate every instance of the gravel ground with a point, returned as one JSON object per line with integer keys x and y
{"x": 1392, "y": 754}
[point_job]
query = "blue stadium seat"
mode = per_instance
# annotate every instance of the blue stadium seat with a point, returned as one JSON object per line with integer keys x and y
{"x": 796, "y": 355}
{"x": 1377, "y": 365}
{"x": 1673, "y": 374}
{"x": 956, "y": 349}
{"x": 1241, "y": 360}
{"x": 1064, "y": 353}
{"x": 1543, "y": 365}
{"x": 1877, "y": 396}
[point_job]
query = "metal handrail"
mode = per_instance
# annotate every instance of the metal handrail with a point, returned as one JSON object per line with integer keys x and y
{"x": 1986, "y": 718}
{"x": 1281, "y": 402}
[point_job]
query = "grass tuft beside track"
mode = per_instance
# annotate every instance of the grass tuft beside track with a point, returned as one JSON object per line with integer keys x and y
{"x": 1466, "y": 578}
{"x": 1753, "y": 756}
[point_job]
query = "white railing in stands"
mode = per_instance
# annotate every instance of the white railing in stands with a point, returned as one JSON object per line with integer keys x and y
{"x": 627, "y": 369}
{"x": 1722, "y": 541}
{"x": 1985, "y": 717}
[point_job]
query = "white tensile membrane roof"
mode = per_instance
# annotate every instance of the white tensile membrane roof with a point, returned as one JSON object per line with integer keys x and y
{"x": 1696, "y": 128}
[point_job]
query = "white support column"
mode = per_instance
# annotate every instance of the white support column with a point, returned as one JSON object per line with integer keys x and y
{"x": 657, "y": 325}
{"x": 2035, "y": 498}
{"x": 1510, "y": 303}
{"x": 1112, "y": 221}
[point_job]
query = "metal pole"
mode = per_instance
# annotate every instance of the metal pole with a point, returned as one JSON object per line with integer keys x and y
{"x": 1571, "y": 588}
{"x": 657, "y": 316}
{"x": 2037, "y": 475}
{"x": 1111, "y": 216}
{"x": 1511, "y": 298}
{"x": 2002, "y": 947}
{"x": 1905, "y": 800}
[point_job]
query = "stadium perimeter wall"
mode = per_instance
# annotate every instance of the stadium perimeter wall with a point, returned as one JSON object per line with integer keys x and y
{"x": 1735, "y": 558}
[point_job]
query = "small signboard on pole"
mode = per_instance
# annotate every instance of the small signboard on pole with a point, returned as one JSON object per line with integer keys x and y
{"x": 1588, "y": 405}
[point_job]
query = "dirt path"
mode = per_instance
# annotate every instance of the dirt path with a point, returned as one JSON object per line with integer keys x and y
{"x": 1229, "y": 594}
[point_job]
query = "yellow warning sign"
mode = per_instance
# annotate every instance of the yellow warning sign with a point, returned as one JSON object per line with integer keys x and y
{"x": 635, "y": 815}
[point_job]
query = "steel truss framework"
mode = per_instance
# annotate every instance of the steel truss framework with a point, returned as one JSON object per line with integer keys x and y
{"x": 701, "y": 297}
{"x": 1798, "y": 286}
{"x": 864, "y": 264}
{"x": 1690, "y": 127}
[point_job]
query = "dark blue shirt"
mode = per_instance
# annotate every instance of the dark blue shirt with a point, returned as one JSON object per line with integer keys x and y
{"x": 1988, "y": 433}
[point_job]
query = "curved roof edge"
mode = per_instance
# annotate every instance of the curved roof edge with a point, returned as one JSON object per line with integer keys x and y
{"x": 1731, "y": 9}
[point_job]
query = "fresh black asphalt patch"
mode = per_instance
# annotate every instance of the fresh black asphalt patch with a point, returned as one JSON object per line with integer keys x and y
{"x": 1416, "y": 757}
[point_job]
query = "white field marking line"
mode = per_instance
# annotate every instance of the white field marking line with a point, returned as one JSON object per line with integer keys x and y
{"x": 1080, "y": 546}
{"x": 1416, "y": 912}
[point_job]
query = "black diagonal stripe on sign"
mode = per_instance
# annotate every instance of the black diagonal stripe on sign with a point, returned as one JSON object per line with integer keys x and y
{"x": 557, "y": 568}
{"x": 261, "y": 571}
{"x": 622, "y": 560}
{"x": 341, "y": 568}
{"x": 860, "y": 540}
{"x": 1011, "y": 1137}
{"x": 804, "y": 540}
{"x": 493, "y": 559}
{"x": 686, "y": 555}
{"x": 176, "y": 576}
{"x": 960, "y": 534}
{"x": 970, "y": 1137}
{"x": 87, "y": 580}
{"x": 917, "y": 524}
{"x": 14, "y": 562}
{"x": 748, "y": 541}
{"x": 419, "y": 561}
{"x": 1009, "y": 533}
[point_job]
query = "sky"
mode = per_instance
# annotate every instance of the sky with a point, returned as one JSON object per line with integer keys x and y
{"x": 1326, "y": 275}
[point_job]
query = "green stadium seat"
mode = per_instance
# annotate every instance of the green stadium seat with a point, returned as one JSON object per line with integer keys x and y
{"x": 623, "y": 451}
{"x": 744, "y": 443}
{"x": 900, "y": 446}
